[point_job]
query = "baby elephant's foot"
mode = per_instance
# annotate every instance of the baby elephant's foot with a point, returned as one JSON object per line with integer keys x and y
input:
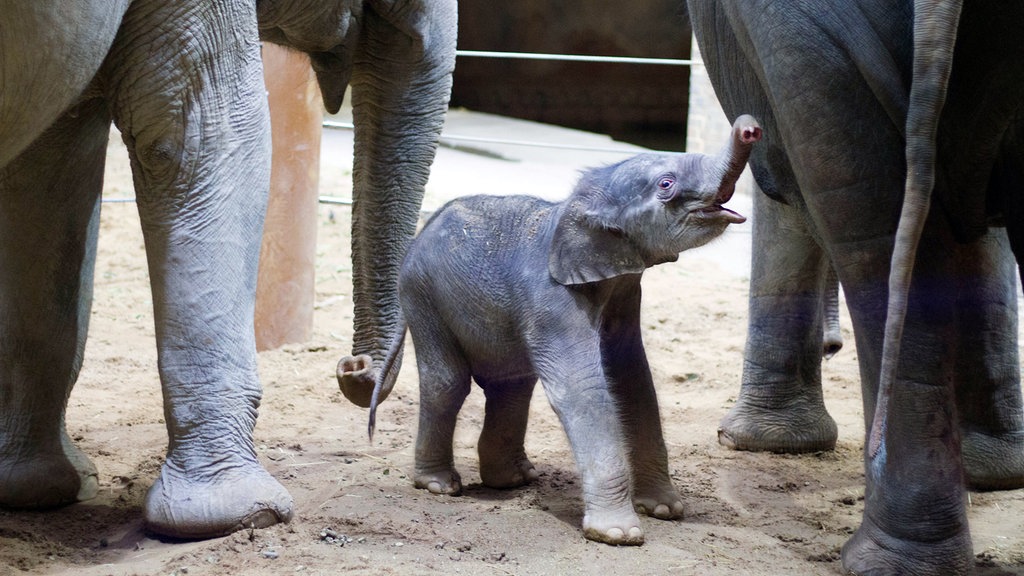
{"x": 506, "y": 473}
{"x": 616, "y": 527}
{"x": 661, "y": 502}
{"x": 440, "y": 482}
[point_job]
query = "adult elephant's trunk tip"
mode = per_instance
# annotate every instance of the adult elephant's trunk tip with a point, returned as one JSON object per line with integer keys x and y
{"x": 367, "y": 383}
{"x": 356, "y": 378}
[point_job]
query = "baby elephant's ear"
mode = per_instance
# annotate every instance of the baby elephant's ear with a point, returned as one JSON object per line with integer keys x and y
{"x": 583, "y": 249}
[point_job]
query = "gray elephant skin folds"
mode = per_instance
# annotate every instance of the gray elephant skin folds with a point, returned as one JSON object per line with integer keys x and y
{"x": 893, "y": 135}
{"x": 509, "y": 290}
{"x": 183, "y": 83}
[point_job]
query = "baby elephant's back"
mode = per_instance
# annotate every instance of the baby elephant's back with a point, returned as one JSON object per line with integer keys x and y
{"x": 480, "y": 249}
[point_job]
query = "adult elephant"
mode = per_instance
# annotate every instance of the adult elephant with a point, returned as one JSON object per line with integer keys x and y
{"x": 183, "y": 82}
{"x": 849, "y": 98}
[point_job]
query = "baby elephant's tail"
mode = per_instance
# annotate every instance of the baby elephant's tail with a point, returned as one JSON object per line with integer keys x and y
{"x": 389, "y": 371}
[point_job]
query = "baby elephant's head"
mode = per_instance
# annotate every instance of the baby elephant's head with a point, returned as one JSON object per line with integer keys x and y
{"x": 645, "y": 210}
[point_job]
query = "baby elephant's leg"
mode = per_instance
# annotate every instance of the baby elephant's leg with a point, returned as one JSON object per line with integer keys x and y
{"x": 653, "y": 491}
{"x": 503, "y": 461}
{"x": 633, "y": 389}
{"x": 444, "y": 384}
{"x": 579, "y": 395}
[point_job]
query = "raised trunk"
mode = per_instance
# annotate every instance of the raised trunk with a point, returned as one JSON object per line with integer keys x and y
{"x": 401, "y": 84}
{"x": 730, "y": 161}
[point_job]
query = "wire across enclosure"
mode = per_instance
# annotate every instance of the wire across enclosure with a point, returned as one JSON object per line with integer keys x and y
{"x": 576, "y": 58}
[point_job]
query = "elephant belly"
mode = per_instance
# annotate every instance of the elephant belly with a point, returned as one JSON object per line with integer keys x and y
{"x": 496, "y": 352}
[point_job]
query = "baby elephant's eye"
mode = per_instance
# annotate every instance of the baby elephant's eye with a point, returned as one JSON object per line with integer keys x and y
{"x": 666, "y": 183}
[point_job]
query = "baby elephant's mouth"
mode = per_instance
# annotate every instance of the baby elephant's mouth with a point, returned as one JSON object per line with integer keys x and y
{"x": 717, "y": 211}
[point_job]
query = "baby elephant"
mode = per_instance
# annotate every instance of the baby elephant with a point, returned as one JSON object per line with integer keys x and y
{"x": 509, "y": 290}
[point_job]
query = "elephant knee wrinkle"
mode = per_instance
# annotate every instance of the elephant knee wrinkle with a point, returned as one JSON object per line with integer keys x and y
{"x": 161, "y": 159}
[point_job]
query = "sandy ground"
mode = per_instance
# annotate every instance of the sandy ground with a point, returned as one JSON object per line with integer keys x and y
{"x": 356, "y": 508}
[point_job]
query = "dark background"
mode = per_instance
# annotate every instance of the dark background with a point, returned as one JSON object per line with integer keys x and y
{"x": 638, "y": 103}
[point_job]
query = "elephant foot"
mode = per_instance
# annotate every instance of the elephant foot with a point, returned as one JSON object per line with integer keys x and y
{"x": 662, "y": 502}
{"x": 440, "y": 482}
{"x": 43, "y": 482}
{"x": 994, "y": 462}
{"x": 787, "y": 430}
{"x": 507, "y": 473}
{"x": 47, "y": 480}
{"x": 88, "y": 476}
{"x": 871, "y": 552}
{"x": 618, "y": 528}
{"x": 234, "y": 498}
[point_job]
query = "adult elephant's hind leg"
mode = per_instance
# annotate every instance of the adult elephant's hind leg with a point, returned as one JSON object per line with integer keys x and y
{"x": 193, "y": 112}
{"x": 915, "y": 516}
{"x": 49, "y": 218}
{"x": 988, "y": 368}
{"x": 780, "y": 406}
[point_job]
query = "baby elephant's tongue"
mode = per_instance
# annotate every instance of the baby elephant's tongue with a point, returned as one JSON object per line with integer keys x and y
{"x": 719, "y": 211}
{"x": 733, "y": 217}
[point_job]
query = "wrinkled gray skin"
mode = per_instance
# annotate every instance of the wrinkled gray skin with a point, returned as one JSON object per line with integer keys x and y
{"x": 400, "y": 55}
{"x": 793, "y": 321}
{"x": 183, "y": 82}
{"x": 794, "y": 300}
{"x": 841, "y": 124}
{"x": 506, "y": 290}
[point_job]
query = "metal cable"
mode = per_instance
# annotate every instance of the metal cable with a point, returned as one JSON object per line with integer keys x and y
{"x": 577, "y": 58}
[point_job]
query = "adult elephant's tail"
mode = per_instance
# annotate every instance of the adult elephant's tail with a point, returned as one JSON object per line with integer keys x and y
{"x": 935, "y": 29}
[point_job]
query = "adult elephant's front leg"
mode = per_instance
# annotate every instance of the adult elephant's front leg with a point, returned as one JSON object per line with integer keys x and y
{"x": 780, "y": 406}
{"x": 193, "y": 112}
{"x": 49, "y": 218}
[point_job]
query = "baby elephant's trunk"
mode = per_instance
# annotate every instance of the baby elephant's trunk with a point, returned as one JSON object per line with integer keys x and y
{"x": 730, "y": 161}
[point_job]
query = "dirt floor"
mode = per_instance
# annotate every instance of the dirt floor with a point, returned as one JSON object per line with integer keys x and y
{"x": 356, "y": 508}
